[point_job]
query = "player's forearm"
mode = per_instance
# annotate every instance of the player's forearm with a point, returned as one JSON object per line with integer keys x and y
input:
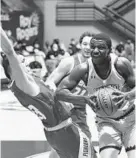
{"x": 6, "y": 44}
{"x": 23, "y": 79}
{"x": 67, "y": 96}
{"x": 10, "y": 52}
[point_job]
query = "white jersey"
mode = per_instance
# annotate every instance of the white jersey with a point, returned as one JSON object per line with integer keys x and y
{"x": 114, "y": 80}
{"x": 95, "y": 82}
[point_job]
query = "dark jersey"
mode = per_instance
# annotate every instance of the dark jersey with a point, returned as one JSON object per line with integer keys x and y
{"x": 50, "y": 111}
{"x": 78, "y": 113}
{"x": 69, "y": 142}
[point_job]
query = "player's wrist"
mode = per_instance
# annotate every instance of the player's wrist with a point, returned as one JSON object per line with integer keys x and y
{"x": 129, "y": 96}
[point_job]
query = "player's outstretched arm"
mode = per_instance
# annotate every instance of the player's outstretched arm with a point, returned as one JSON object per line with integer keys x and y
{"x": 63, "y": 91}
{"x": 23, "y": 80}
{"x": 60, "y": 72}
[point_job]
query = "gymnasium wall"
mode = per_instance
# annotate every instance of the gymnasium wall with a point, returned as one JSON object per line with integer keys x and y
{"x": 65, "y": 33}
{"x": 130, "y": 17}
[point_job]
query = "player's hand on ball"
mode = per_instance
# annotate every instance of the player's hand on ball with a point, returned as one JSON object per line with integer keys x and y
{"x": 119, "y": 98}
{"x": 92, "y": 102}
{"x": 124, "y": 95}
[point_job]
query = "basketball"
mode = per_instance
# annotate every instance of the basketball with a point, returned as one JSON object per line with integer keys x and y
{"x": 105, "y": 104}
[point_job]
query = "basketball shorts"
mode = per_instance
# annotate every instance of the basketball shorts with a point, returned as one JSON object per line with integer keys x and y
{"x": 117, "y": 133}
{"x": 70, "y": 142}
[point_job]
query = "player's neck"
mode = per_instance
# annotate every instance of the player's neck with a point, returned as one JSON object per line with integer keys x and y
{"x": 103, "y": 70}
{"x": 105, "y": 63}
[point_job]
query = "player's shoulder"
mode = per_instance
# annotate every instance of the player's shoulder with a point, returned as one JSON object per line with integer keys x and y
{"x": 45, "y": 89}
{"x": 67, "y": 61}
{"x": 81, "y": 69}
{"x": 123, "y": 66}
{"x": 122, "y": 62}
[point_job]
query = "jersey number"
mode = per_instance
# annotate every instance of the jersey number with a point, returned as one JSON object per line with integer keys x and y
{"x": 79, "y": 91}
{"x": 37, "y": 112}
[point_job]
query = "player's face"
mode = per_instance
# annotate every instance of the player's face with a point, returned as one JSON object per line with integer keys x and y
{"x": 55, "y": 47}
{"x": 99, "y": 50}
{"x": 85, "y": 46}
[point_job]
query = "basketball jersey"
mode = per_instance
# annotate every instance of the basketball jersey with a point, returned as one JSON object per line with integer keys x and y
{"x": 43, "y": 104}
{"x": 80, "y": 88}
{"x": 79, "y": 113}
{"x": 114, "y": 80}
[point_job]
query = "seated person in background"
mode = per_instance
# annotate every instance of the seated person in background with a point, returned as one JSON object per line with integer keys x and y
{"x": 129, "y": 51}
{"x": 53, "y": 53}
{"x": 52, "y": 57}
{"x": 72, "y": 47}
{"x": 64, "y": 53}
{"x": 47, "y": 47}
{"x": 119, "y": 49}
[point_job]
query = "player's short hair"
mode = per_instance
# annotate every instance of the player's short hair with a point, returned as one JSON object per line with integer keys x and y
{"x": 104, "y": 37}
{"x": 84, "y": 35}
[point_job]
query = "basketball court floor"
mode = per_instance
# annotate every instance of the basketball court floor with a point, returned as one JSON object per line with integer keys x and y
{"x": 19, "y": 124}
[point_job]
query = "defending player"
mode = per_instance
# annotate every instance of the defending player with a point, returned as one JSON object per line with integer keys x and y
{"x": 64, "y": 69}
{"x": 63, "y": 135}
{"x": 104, "y": 69}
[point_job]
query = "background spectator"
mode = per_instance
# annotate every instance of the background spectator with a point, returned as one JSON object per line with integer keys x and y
{"x": 72, "y": 47}
{"x": 119, "y": 48}
{"x": 47, "y": 47}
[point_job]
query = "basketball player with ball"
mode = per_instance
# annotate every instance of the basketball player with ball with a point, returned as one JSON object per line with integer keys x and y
{"x": 110, "y": 82}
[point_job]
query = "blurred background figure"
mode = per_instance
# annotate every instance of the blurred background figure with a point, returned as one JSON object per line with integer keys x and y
{"x": 57, "y": 52}
{"x": 51, "y": 58}
{"x": 47, "y": 47}
{"x": 129, "y": 52}
{"x": 64, "y": 51}
{"x": 54, "y": 52}
{"x": 119, "y": 48}
{"x": 72, "y": 47}
{"x": 129, "y": 49}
